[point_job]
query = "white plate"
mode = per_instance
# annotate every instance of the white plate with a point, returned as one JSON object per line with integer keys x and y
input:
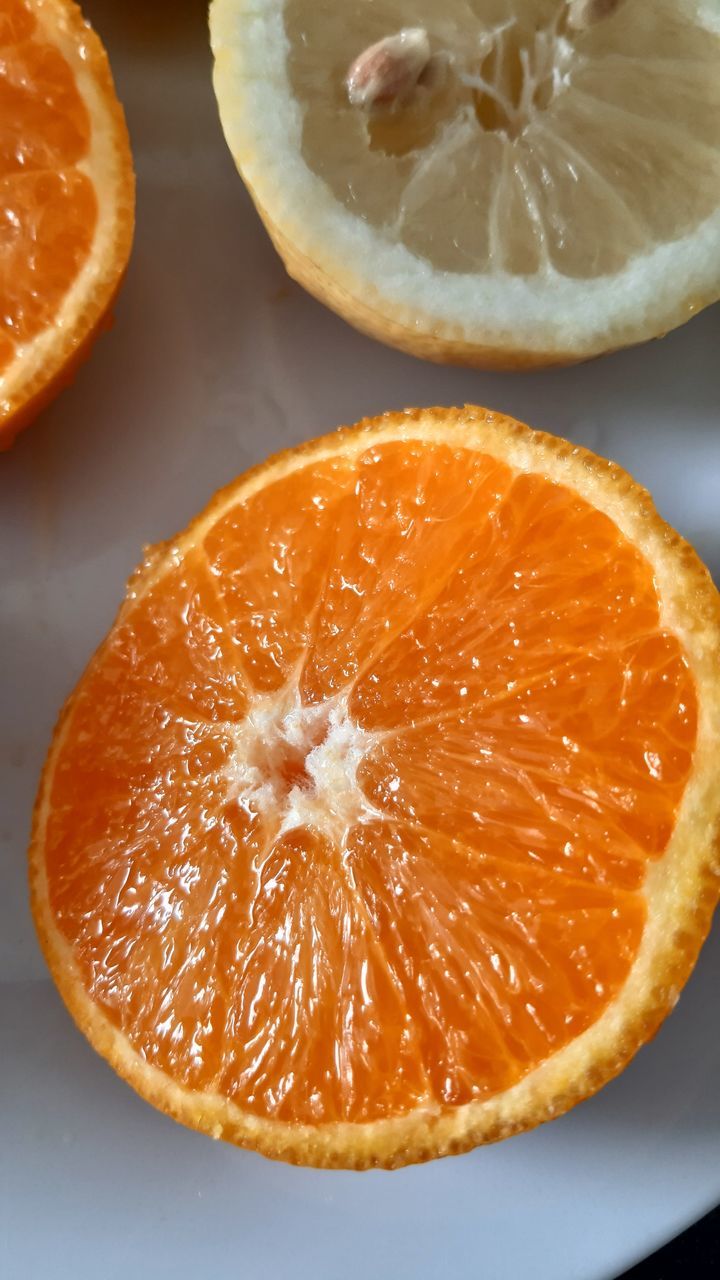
{"x": 215, "y": 361}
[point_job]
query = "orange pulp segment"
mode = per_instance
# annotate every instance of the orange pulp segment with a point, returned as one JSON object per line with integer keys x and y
{"x": 353, "y": 809}
{"x": 63, "y": 149}
{"x": 48, "y": 203}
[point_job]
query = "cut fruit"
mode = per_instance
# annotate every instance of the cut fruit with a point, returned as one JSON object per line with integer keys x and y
{"x": 66, "y": 201}
{"x": 534, "y": 194}
{"x": 385, "y": 821}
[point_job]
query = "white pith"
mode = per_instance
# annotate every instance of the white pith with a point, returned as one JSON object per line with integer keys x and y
{"x": 322, "y": 742}
{"x": 546, "y": 61}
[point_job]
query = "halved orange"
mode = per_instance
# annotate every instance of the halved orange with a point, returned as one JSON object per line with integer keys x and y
{"x": 66, "y": 201}
{"x": 385, "y": 820}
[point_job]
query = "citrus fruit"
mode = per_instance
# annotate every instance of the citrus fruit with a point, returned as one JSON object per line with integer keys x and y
{"x": 501, "y": 184}
{"x": 66, "y": 200}
{"x": 385, "y": 820}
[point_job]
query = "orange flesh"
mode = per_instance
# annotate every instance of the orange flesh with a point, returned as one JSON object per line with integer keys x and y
{"x": 48, "y": 207}
{"x": 527, "y": 729}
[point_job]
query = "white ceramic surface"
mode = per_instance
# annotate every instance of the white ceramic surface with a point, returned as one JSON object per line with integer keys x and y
{"x": 216, "y": 360}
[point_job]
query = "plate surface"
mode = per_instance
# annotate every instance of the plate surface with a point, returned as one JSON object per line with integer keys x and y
{"x": 216, "y": 360}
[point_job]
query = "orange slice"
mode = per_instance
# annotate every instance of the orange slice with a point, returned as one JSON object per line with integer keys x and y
{"x": 385, "y": 821}
{"x": 66, "y": 201}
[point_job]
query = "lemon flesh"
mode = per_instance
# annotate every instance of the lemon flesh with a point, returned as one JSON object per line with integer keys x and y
{"x": 528, "y": 148}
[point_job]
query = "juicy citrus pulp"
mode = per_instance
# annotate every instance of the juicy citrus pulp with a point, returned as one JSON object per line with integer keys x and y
{"x": 531, "y": 134}
{"x": 66, "y": 197}
{"x": 354, "y": 815}
{"x": 525, "y": 203}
